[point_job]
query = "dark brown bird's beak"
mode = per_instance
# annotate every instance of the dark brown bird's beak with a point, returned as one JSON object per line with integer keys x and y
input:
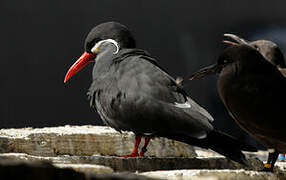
{"x": 236, "y": 39}
{"x": 212, "y": 69}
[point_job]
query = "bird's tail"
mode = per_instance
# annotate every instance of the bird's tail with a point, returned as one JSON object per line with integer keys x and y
{"x": 220, "y": 143}
{"x": 229, "y": 146}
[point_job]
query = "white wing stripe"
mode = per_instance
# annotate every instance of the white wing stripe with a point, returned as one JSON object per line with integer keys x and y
{"x": 185, "y": 105}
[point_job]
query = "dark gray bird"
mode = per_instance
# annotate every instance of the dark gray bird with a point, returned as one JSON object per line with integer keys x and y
{"x": 253, "y": 90}
{"x": 130, "y": 91}
{"x": 270, "y": 50}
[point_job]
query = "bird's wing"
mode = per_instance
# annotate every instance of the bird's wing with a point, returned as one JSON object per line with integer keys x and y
{"x": 153, "y": 101}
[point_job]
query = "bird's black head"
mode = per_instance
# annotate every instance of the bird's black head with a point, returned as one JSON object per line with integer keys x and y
{"x": 100, "y": 40}
{"x": 268, "y": 49}
{"x": 109, "y": 30}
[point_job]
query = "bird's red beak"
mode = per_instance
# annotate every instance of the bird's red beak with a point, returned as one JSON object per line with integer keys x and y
{"x": 84, "y": 59}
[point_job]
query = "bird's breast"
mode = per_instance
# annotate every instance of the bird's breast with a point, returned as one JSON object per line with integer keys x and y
{"x": 241, "y": 96}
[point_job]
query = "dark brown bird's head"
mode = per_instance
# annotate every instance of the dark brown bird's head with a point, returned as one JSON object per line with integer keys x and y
{"x": 98, "y": 40}
{"x": 268, "y": 49}
{"x": 244, "y": 54}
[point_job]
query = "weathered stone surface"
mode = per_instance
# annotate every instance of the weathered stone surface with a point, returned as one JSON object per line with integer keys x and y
{"x": 87, "y": 165}
{"x": 140, "y": 164}
{"x": 84, "y": 140}
{"x": 86, "y": 168}
{"x": 17, "y": 169}
{"x": 77, "y": 151}
{"x": 35, "y": 170}
{"x": 119, "y": 176}
{"x": 262, "y": 155}
{"x": 214, "y": 175}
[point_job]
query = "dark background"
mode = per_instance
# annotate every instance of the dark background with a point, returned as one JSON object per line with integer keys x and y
{"x": 39, "y": 40}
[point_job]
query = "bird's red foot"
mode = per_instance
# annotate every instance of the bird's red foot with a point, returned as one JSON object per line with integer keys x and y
{"x": 129, "y": 155}
{"x": 135, "y": 150}
{"x": 143, "y": 150}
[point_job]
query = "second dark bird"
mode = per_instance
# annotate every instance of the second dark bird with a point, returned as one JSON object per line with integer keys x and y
{"x": 131, "y": 92}
{"x": 253, "y": 90}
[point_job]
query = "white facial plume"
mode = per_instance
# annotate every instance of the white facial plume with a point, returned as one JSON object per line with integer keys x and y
{"x": 97, "y": 46}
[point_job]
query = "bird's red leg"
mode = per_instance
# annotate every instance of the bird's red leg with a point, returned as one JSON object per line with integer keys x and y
{"x": 135, "y": 150}
{"x": 144, "y": 148}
